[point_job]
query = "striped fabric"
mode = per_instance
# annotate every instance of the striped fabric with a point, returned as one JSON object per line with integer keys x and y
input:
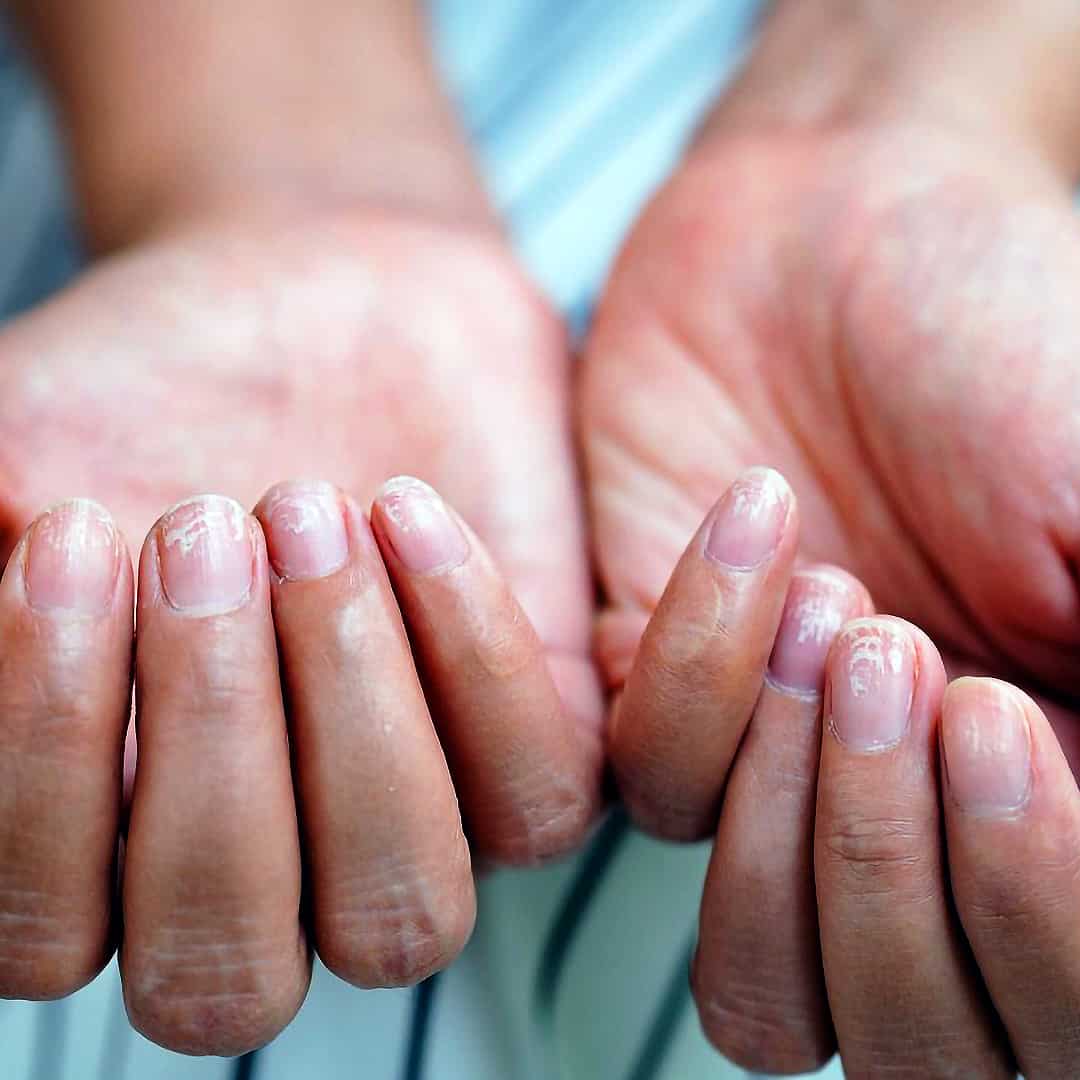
{"x": 578, "y": 108}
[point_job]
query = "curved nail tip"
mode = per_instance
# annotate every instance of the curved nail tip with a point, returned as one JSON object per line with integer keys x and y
{"x": 285, "y": 489}
{"x": 84, "y": 505}
{"x": 207, "y": 512}
{"x": 402, "y": 484}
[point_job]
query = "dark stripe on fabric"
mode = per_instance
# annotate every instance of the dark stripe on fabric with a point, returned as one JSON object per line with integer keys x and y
{"x": 246, "y": 1067}
{"x": 665, "y": 1023}
{"x": 594, "y": 867}
{"x": 420, "y": 1029}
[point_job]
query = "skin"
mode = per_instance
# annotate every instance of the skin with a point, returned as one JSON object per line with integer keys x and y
{"x": 831, "y": 284}
{"x": 825, "y": 329}
{"x": 245, "y": 328}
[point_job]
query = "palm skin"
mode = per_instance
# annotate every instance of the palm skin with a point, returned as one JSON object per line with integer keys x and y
{"x": 350, "y": 348}
{"x": 888, "y": 317}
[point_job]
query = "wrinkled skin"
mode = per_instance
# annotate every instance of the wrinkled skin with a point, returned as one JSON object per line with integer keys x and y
{"x": 350, "y": 349}
{"x": 890, "y": 319}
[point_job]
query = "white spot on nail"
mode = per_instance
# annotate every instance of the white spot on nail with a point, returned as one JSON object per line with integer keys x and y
{"x": 189, "y": 523}
{"x": 818, "y": 617}
{"x": 757, "y": 493}
{"x": 874, "y": 650}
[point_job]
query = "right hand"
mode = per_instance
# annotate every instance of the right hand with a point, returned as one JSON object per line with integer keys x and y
{"x": 354, "y": 348}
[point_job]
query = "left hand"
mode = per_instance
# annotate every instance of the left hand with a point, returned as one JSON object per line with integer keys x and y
{"x": 880, "y": 307}
{"x": 835, "y": 914}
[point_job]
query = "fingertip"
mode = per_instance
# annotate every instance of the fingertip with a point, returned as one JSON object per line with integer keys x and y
{"x": 205, "y": 556}
{"x": 304, "y": 525}
{"x": 416, "y": 528}
{"x": 986, "y": 746}
{"x": 71, "y": 562}
{"x": 751, "y": 521}
{"x": 820, "y": 601}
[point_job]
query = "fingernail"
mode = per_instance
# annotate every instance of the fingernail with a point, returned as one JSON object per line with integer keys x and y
{"x": 421, "y": 529}
{"x": 818, "y": 604}
{"x": 987, "y": 747}
{"x": 750, "y": 520}
{"x": 72, "y": 559}
{"x": 305, "y": 531}
{"x": 871, "y": 685}
{"x": 207, "y": 555}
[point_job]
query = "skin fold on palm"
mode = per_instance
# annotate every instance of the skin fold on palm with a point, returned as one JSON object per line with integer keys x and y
{"x": 887, "y": 316}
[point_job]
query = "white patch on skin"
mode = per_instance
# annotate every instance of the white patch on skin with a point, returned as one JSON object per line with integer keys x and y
{"x": 351, "y": 626}
{"x": 206, "y": 516}
{"x": 39, "y": 385}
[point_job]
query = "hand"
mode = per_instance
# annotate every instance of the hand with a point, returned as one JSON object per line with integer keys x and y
{"x": 215, "y": 955}
{"x": 840, "y": 296}
{"x": 834, "y": 912}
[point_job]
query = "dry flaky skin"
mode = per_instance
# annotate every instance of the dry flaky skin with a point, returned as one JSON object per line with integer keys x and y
{"x": 351, "y": 347}
{"x": 888, "y": 316}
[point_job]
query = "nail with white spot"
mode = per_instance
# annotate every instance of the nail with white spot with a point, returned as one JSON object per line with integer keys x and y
{"x": 750, "y": 520}
{"x": 987, "y": 745}
{"x": 207, "y": 555}
{"x": 871, "y": 684}
{"x": 73, "y": 559}
{"x": 819, "y": 603}
{"x": 305, "y": 530}
{"x": 423, "y": 533}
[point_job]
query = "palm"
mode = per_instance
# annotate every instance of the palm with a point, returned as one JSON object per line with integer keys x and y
{"x": 348, "y": 350}
{"x": 895, "y": 330}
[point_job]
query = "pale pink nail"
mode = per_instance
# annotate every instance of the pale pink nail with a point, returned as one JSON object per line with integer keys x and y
{"x": 424, "y": 534}
{"x": 871, "y": 684}
{"x": 305, "y": 531}
{"x": 750, "y": 520}
{"x": 207, "y": 555}
{"x": 819, "y": 602}
{"x": 987, "y": 747}
{"x": 73, "y": 559}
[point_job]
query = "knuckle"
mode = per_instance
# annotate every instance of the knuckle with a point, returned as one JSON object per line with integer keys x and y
{"x": 213, "y": 999}
{"x": 668, "y": 820}
{"x": 761, "y": 1030}
{"x": 1023, "y": 899}
{"x": 542, "y": 827}
{"x": 877, "y": 855}
{"x": 398, "y": 928}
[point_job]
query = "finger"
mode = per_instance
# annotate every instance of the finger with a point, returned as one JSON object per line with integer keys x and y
{"x": 213, "y": 958}
{"x": 904, "y": 995}
{"x": 391, "y": 888}
{"x": 65, "y": 693}
{"x": 700, "y": 665}
{"x": 758, "y": 980}
{"x": 1012, "y": 813}
{"x": 527, "y": 775}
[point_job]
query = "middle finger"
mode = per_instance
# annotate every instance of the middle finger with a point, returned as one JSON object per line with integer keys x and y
{"x": 904, "y": 994}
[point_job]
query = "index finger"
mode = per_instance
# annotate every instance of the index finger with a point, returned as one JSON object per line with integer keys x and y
{"x": 701, "y": 663}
